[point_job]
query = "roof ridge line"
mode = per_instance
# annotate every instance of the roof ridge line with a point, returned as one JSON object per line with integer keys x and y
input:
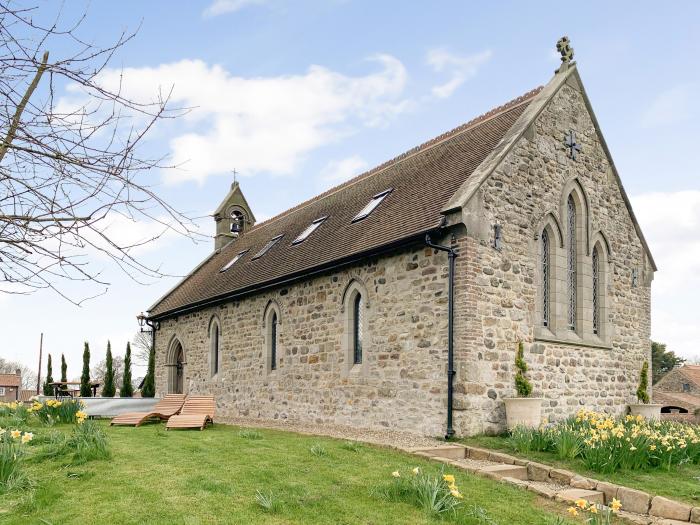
{"x": 484, "y": 117}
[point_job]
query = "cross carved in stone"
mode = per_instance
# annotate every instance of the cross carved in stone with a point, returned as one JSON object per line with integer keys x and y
{"x": 570, "y": 142}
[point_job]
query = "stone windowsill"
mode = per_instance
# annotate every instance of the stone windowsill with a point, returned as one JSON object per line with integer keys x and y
{"x": 567, "y": 342}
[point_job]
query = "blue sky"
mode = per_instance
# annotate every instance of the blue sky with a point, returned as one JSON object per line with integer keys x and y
{"x": 297, "y": 96}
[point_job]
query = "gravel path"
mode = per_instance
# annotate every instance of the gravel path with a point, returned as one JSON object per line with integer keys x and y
{"x": 387, "y": 438}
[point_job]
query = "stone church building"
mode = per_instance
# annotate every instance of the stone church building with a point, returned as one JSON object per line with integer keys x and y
{"x": 338, "y": 310}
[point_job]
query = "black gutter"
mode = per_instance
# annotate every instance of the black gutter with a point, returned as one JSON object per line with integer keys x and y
{"x": 451, "y": 255}
{"x": 304, "y": 274}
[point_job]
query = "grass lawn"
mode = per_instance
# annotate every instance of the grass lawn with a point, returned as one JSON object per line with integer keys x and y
{"x": 680, "y": 483}
{"x": 191, "y": 477}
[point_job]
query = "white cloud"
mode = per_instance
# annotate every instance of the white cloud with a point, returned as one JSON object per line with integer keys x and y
{"x": 672, "y": 106}
{"x": 671, "y": 225}
{"x": 136, "y": 236}
{"x": 262, "y": 123}
{"x": 460, "y": 68}
{"x": 220, "y": 7}
{"x": 337, "y": 171}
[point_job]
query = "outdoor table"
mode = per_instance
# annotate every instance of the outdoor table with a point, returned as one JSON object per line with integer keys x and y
{"x": 60, "y": 390}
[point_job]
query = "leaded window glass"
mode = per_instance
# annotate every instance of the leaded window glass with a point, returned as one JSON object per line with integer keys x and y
{"x": 215, "y": 349}
{"x": 545, "y": 278}
{"x": 357, "y": 329}
{"x": 571, "y": 260}
{"x": 273, "y": 341}
{"x": 596, "y": 290}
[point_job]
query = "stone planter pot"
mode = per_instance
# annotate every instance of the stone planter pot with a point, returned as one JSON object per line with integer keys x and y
{"x": 523, "y": 411}
{"x": 649, "y": 411}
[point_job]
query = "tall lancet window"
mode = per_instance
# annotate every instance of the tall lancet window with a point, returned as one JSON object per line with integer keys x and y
{"x": 357, "y": 329}
{"x": 595, "y": 263}
{"x": 273, "y": 341}
{"x": 545, "y": 278}
{"x": 571, "y": 261}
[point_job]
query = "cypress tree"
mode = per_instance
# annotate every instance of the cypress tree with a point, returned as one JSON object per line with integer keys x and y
{"x": 64, "y": 372}
{"x": 522, "y": 385}
{"x": 109, "y": 388}
{"x": 149, "y": 382}
{"x": 642, "y": 392}
{"x": 49, "y": 379}
{"x": 127, "y": 389}
{"x": 85, "y": 376}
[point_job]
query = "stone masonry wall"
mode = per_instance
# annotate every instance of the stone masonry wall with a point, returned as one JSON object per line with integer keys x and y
{"x": 401, "y": 384}
{"x": 498, "y": 290}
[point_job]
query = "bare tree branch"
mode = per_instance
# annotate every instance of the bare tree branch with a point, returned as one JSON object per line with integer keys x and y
{"x": 72, "y": 165}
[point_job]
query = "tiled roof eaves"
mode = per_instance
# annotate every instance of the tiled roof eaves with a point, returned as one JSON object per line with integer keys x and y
{"x": 411, "y": 240}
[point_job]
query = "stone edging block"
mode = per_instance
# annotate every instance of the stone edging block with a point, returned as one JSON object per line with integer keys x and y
{"x": 634, "y": 501}
{"x": 667, "y": 508}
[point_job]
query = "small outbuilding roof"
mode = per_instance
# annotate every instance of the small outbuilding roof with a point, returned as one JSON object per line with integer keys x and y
{"x": 10, "y": 380}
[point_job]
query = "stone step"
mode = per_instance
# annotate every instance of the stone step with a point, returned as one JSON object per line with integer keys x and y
{"x": 571, "y": 495}
{"x": 444, "y": 451}
{"x": 505, "y": 471}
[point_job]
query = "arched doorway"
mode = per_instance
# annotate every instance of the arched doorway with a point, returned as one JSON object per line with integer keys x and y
{"x": 176, "y": 368}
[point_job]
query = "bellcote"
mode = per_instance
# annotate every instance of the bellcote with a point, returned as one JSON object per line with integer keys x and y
{"x": 233, "y": 217}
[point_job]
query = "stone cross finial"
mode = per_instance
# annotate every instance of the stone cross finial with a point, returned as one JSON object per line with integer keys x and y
{"x": 566, "y": 51}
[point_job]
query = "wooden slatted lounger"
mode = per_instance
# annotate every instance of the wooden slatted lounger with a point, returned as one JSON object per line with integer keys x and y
{"x": 167, "y": 407}
{"x": 196, "y": 413}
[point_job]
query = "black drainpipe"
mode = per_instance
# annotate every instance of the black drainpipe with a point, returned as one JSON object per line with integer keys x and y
{"x": 451, "y": 255}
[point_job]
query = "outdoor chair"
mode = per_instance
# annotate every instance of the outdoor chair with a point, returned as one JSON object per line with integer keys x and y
{"x": 167, "y": 407}
{"x": 196, "y": 413}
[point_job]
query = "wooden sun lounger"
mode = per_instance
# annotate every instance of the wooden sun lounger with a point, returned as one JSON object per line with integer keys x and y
{"x": 196, "y": 413}
{"x": 167, "y": 407}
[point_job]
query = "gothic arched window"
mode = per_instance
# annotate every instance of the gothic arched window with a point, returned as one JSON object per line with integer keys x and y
{"x": 357, "y": 329}
{"x": 214, "y": 347}
{"x": 571, "y": 248}
{"x": 273, "y": 341}
{"x": 595, "y": 269}
{"x": 546, "y": 272}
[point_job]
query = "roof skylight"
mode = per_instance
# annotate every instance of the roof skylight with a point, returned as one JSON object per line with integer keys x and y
{"x": 268, "y": 246}
{"x": 371, "y": 205}
{"x": 233, "y": 261}
{"x": 309, "y": 230}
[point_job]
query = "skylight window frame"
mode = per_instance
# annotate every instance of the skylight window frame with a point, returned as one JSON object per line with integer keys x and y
{"x": 268, "y": 246}
{"x": 372, "y": 205}
{"x": 309, "y": 230}
{"x": 233, "y": 261}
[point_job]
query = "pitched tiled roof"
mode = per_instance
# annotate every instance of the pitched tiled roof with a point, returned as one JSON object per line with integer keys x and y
{"x": 687, "y": 401}
{"x": 423, "y": 180}
{"x": 692, "y": 372}
{"x": 9, "y": 380}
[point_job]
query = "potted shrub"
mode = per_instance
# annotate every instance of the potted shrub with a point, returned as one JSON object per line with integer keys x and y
{"x": 522, "y": 410}
{"x": 645, "y": 408}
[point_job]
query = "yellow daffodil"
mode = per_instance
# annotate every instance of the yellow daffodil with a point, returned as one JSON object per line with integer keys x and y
{"x": 615, "y": 505}
{"x": 27, "y": 437}
{"x": 456, "y": 494}
{"x": 573, "y": 511}
{"x": 593, "y": 509}
{"x": 449, "y": 478}
{"x": 396, "y": 473}
{"x": 15, "y": 434}
{"x": 416, "y": 470}
{"x": 581, "y": 503}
